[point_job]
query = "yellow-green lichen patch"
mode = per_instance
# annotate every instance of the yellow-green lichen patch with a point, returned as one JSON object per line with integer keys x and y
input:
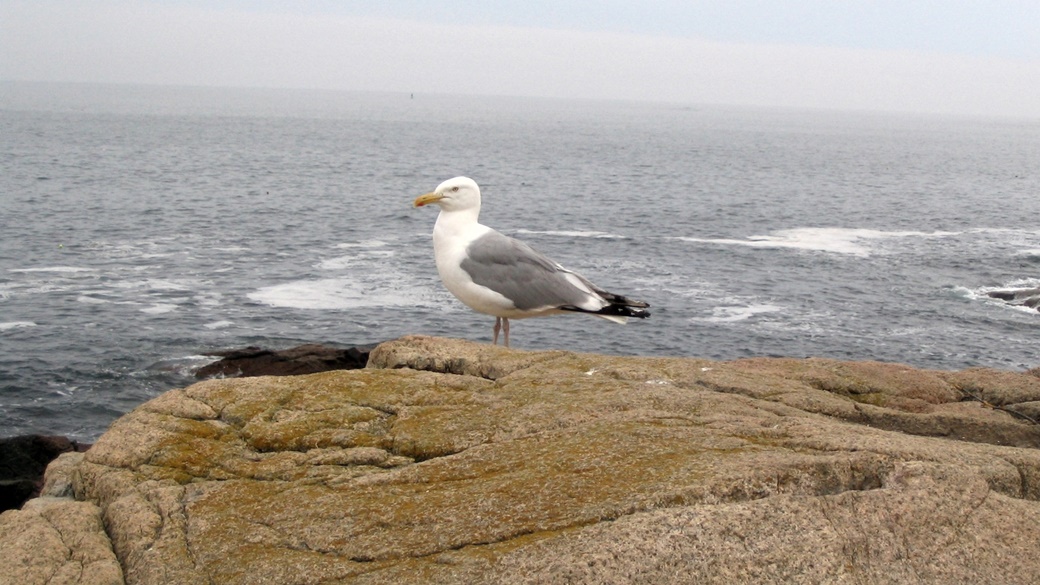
{"x": 299, "y": 430}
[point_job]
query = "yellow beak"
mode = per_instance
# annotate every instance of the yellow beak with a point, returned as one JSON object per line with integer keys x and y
{"x": 428, "y": 199}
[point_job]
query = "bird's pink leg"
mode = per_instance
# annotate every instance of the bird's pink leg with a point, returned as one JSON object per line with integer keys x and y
{"x": 498, "y": 326}
{"x": 505, "y": 326}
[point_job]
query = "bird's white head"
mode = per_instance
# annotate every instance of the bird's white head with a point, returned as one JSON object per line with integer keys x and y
{"x": 456, "y": 194}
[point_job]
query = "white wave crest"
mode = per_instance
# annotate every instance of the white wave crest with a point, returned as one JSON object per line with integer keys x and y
{"x": 60, "y": 269}
{"x": 362, "y": 244}
{"x": 730, "y": 314}
{"x": 572, "y": 234}
{"x": 368, "y": 257}
{"x": 1019, "y": 283}
{"x": 336, "y": 263}
{"x": 850, "y": 241}
{"x": 159, "y": 308}
{"x": 16, "y": 325}
{"x": 218, "y": 325}
{"x": 330, "y": 294}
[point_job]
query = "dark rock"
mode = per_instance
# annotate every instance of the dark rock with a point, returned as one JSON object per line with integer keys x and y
{"x": 304, "y": 359}
{"x": 1028, "y": 297}
{"x": 23, "y": 460}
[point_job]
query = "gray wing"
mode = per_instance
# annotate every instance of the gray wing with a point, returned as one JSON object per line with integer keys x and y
{"x": 520, "y": 273}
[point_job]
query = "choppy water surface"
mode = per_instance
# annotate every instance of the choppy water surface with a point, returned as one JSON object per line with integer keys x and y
{"x": 142, "y": 227}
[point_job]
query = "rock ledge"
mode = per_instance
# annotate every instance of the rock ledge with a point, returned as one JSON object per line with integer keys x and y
{"x": 450, "y": 462}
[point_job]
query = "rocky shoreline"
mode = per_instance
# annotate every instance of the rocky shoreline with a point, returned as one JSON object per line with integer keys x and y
{"x": 24, "y": 458}
{"x": 304, "y": 359}
{"x": 445, "y": 461}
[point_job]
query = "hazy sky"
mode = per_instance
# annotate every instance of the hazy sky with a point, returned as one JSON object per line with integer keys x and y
{"x": 965, "y": 57}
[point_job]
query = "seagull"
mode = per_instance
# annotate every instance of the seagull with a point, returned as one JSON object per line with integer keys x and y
{"x": 501, "y": 276}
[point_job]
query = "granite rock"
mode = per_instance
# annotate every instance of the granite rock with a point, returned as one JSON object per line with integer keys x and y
{"x": 451, "y": 462}
{"x": 56, "y": 541}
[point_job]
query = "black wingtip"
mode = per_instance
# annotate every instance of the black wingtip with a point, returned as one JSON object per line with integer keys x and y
{"x": 627, "y": 307}
{"x": 623, "y": 301}
{"x": 624, "y": 311}
{"x": 615, "y": 310}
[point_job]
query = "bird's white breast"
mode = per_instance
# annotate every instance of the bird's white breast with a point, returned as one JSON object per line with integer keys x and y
{"x": 451, "y": 236}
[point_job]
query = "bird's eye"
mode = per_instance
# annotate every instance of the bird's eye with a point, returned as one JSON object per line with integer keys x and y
{"x": 454, "y": 189}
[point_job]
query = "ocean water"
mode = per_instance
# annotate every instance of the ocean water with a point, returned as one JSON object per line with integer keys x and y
{"x": 141, "y": 227}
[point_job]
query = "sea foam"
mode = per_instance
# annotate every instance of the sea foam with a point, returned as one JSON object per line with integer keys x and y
{"x": 572, "y": 233}
{"x": 59, "y": 269}
{"x": 733, "y": 314}
{"x": 16, "y": 325}
{"x": 328, "y": 294}
{"x": 850, "y": 241}
{"x": 159, "y": 309}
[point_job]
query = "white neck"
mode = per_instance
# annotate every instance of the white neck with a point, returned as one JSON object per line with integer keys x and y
{"x": 455, "y": 226}
{"x": 456, "y": 221}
